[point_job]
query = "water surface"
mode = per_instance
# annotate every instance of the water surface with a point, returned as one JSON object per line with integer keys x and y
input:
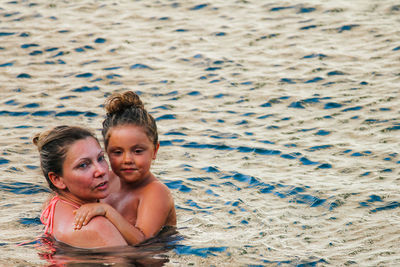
{"x": 278, "y": 121}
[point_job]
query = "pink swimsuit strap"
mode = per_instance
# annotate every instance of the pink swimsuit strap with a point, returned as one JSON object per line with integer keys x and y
{"x": 47, "y": 216}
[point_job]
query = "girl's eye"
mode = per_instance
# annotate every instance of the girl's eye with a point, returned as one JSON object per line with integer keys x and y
{"x": 101, "y": 158}
{"x": 116, "y": 152}
{"x": 138, "y": 151}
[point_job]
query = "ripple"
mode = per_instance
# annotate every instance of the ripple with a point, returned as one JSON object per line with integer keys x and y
{"x": 389, "y": 206}
{"x": 320, "y": 56}
{"x": 336, "y": 73}
{"x": 275, "y": 9}
{"x": 31, "y": 105}
{"x": 74, "y": 113}
{"x": 166, "y": 117}
{"x": 203, "y": 252}
{"x": 295, "y": 194}
{"x": 100, "y": 40}
{"x": 14, "y": 113}
{"x": 198, "y": 7}
{"x": 332, "y": 105}
{"x": 84, "y": 75}
{"x": 314, "y": 80}
{"x": 24, "y": 76}
{"x": 6, "y": 33}
{"x": 30, "y": 221}
{"x": 140, "y": 66}
{"x": 308, "y": 27}
{"x": 323, "y": 132}
{"x": 20, "y": 188}
{"x": 8, "y": 64}
{"x": 315, "y": 148}
{"x": 347, "y": 27}
{"x": 85, "y": 89}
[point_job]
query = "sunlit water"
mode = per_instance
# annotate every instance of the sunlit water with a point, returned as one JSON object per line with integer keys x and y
{"x": 279, "y": 123}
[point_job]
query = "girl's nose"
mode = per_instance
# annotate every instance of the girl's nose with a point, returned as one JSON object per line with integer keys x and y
{"x": 128, "y": 158}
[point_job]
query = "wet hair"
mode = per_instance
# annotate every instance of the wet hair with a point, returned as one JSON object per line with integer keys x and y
{"x": 53, "y": 146}
{"x": 127, "y": 109}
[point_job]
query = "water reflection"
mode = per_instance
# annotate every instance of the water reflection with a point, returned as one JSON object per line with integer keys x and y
{"x": 151, "y": 253}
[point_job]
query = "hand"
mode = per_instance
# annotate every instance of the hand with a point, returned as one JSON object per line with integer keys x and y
{"x": 86, "y": 212}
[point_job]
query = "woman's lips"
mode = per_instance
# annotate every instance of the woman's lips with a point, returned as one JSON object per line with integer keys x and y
{"x": 102, "y": 186}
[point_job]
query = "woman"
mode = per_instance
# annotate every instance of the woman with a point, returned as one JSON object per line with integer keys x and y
{"x": 75, "y": 168}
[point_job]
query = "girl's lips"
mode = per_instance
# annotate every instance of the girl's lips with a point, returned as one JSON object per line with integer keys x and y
{"x": 128, "y": 170}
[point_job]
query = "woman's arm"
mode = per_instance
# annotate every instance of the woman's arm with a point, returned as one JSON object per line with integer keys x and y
{"x": 99, "y": 233}
{"x": 86, "y": 212}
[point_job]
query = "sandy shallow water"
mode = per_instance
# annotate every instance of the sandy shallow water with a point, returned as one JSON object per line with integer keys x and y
{"x": 278, "y": 121}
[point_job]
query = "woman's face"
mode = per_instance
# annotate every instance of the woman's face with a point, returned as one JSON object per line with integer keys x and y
{"x": 85, "y": 171}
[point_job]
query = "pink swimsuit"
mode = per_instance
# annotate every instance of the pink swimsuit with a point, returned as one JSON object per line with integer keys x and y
{"x": 47, "y": 217}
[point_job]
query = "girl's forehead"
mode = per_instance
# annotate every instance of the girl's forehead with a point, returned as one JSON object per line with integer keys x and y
{"x": 128, "y": 133}
{"x": 127, "y": 129}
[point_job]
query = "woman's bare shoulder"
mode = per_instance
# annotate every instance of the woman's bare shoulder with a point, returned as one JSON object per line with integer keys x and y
{"x": 99, "y": 232}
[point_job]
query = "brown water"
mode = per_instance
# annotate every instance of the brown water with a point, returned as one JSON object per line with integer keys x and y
{"x": 278, "y": 121}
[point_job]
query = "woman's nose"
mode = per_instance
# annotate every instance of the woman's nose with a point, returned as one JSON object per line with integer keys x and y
{"x": 101, "y": 169}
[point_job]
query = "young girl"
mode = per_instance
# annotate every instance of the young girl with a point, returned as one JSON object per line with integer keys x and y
{"x": 139, "y": 205}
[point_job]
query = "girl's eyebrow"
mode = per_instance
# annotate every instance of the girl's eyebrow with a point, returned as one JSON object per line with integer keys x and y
{"x": 112, "y": 146}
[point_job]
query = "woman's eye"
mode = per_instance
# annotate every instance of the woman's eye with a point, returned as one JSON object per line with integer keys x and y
{"x": 83, "y": 165}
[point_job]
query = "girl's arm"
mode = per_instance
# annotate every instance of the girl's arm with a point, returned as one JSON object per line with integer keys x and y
{"x": 86, "y": 212}
{"x": 155, "y": 207}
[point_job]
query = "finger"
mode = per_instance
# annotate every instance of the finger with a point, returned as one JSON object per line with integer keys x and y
{"x": 86, "y": 221}
{"x": 77, "y": 226}
{"x": 78, "y": 220}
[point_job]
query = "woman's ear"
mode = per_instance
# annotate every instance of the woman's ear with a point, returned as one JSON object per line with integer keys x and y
{"x": 57, "y": 180}
{"x": 155, "y": 151}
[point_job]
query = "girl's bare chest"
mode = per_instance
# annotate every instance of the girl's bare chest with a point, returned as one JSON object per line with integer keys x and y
{"x": 126, "y": 205}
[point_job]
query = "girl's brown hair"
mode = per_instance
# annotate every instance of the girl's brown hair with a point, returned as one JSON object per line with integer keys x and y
{"x": 127, "y": 108}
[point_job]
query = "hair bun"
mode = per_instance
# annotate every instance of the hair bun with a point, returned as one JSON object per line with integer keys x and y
{"x": 40, "y": 139}
{"x": 35, "y": 139}
{"x": 118, "y": 102}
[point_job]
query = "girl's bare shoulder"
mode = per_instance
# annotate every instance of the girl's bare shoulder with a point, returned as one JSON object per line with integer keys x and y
{"x": 157, "y": 190}
{"x": 157, "y": 185}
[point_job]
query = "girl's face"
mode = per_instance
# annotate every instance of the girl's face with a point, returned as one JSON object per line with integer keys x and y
{"x": 131, "y": 152}
{"x": 85, "y": 171}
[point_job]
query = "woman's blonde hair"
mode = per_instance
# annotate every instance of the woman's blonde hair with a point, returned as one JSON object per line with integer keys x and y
{"x": 53, "y": 146}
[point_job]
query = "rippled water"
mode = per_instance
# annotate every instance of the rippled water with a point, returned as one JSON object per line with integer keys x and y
{"x": 278, "y": 120}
